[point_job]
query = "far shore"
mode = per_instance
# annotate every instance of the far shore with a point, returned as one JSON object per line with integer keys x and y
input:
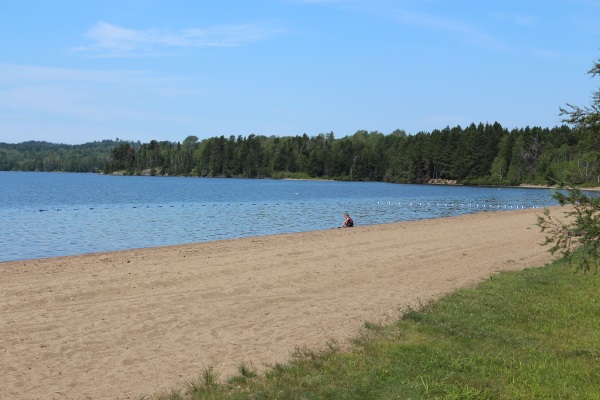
{"x": 432, "y": 181}
{"x": 591, "y": 189}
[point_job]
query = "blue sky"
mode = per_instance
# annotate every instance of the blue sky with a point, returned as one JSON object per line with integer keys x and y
{"x": 76, "y": 71}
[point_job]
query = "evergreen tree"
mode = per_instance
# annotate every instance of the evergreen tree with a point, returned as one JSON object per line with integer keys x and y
{"x": 582, "y": 227}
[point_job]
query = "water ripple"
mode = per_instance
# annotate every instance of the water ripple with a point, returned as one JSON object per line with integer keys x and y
{"x": 83, "y": 213}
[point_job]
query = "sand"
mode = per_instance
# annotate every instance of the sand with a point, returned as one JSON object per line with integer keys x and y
{"x": 122, "y": 324}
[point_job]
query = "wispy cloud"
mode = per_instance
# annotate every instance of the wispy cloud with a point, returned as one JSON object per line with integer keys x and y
{"x": 74, "y": 105}
{"x": 325, "y": 1}
{"x": 591, "y": 24}
{"x": 80, "y": 94}
{"x": 14, "y": 74}
{"x": 516, "y": 19}
{"x": 114, "y": 41}
{"x": 399, "y": 12}
{"x": 465, "y": 31}
{"x": 547, "y": 54}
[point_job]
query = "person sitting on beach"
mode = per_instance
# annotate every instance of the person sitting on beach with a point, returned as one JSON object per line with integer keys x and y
{"x": 348, "y": 223}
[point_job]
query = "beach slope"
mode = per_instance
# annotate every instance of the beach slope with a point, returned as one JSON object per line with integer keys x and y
{"x": 122, "y": 324}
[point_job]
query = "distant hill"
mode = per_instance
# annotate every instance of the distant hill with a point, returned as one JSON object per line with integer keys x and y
{"x": 45, "y": 156}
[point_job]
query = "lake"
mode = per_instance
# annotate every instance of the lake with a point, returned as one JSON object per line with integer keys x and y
{"x": 56, "y": 214}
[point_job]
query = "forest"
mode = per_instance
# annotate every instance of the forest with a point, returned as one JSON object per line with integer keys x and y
{"x": 51, "y": 157}
{"x": 482, "y": 154}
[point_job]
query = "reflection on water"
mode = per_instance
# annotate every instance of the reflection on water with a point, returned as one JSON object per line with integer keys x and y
{"x": 52, "y": 214}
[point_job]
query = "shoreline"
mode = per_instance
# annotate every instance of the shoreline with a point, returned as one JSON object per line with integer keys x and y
{"x": 122, "y": 324}
{"x": 100, "y": 252}
{"x": 554, "y": 187}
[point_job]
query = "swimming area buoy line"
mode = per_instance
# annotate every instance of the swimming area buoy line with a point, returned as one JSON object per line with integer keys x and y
{"x": 411, "y": 204}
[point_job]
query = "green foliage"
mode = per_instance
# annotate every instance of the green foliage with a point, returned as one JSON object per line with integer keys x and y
{"x": 479, "y": 154}
{"x": 587, "y": 119}
{"x": 580, "y": 228}
{"x": 44, "y": 156}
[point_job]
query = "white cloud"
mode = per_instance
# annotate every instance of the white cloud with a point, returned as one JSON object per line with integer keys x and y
{"x": 114, "y": 41}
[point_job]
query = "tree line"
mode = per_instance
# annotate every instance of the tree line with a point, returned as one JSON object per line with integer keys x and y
{"x": 477, "y": 154}
{"x": 51, "y": 157}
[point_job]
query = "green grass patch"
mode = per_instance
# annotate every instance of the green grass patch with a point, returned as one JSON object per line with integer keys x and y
{"x": 533, "y": 334}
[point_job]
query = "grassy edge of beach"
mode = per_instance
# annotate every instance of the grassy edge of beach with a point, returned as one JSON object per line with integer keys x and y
{"x": 518, "y": 335}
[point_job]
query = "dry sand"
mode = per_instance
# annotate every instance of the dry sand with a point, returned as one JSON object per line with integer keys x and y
{"x": 119, "y": 325}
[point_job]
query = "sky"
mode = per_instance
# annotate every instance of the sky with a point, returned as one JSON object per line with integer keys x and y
{"x": 76, "y": 71}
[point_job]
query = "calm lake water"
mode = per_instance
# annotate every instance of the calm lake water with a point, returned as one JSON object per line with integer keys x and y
{"x": 57, "y": 214}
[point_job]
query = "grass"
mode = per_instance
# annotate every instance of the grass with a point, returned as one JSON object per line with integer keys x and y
{"x": 533, "y": 334}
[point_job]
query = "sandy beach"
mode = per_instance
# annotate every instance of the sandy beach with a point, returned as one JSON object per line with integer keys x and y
{"x": 123, "y": 324}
